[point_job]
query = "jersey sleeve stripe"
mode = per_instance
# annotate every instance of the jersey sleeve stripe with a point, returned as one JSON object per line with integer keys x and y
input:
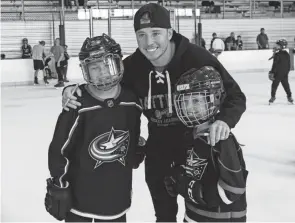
{"x": 64, "y": 147}
{"x": 131, "y": 104}
{"x": 216, "y": 215}
{"x": 222, "y": 194}
{"x": 235, "y": 190}
{"x": 89, "y": 109}
{"x": 227, "y": 168}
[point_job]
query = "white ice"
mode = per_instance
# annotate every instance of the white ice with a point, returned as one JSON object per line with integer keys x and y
{"x": 29, "y": 116}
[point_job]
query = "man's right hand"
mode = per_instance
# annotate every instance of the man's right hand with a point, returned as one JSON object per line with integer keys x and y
{"x": 68, "y": 98}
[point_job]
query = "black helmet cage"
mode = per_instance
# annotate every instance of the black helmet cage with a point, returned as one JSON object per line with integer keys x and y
{"x": 282, "y": 43}
{"x": 106, "y": 54}
{"x": 205, "y": 84}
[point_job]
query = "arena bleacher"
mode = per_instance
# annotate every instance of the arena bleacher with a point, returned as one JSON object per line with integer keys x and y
{"x": 39, "y": 20}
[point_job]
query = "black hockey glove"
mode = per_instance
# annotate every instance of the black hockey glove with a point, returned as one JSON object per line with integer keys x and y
{"x": 179, "y": 183}
{"x": 139, "y": 153}
{"x": 58, "y": 201}
{"x": 271, "y": 76}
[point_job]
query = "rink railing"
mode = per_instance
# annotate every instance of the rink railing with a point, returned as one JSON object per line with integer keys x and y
{"x": 20, "y": 71}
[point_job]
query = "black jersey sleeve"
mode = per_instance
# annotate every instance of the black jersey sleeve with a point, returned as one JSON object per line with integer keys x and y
{"x": 274, "y": 63}
{"x": 232, "y": 170}
{"x": 61, "y": 146}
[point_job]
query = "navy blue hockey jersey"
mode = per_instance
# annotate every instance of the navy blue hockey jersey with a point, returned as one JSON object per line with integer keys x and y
{"x": 222, "y": 172}
{"x": 93, "y": 149}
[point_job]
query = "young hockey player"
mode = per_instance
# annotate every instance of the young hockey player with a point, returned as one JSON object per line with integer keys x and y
{"x": 212, "y": 179}
{"x": 280, "y": 70}
{"x": 94, "y": 149}
{"x": 46, "y": 65}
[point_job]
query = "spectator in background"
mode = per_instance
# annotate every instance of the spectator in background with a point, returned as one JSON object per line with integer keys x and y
{"x": 214, "y": 36}
{"x": 2, "y": 56}
{"x": 38, "y": 55}
{"x": 68, "y": 3}
{"x": 64, "y": 63}
{"x": 262, "y": 40}
{"x": 217, "y": 46}
{"x": 239, "y": 43}
{"x": 193, "y": 40}
{"x": 58, "y": 52}
{"x": 26, "y": 49}
{"x": 230, "y": 42}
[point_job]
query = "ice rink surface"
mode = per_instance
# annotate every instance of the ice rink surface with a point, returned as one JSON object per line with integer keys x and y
{"x": 29, "y": 116}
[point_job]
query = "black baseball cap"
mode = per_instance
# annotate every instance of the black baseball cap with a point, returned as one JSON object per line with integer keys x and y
{"x": 152, "y": 15}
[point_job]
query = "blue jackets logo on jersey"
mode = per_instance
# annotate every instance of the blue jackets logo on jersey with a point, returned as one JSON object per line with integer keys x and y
{"x": 195, "y": 166}
{"x": 110, "y": 147}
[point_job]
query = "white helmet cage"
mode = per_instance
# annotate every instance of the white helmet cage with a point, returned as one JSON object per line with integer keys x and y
{"x": 198, "y": 95}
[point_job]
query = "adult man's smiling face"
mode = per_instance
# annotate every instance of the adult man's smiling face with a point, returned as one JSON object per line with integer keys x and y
{"x": 154, "y": 42}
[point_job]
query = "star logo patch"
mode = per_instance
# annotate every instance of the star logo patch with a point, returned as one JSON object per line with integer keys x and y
{"x": 110, "y": 147}
{"x": 195, "y": 166}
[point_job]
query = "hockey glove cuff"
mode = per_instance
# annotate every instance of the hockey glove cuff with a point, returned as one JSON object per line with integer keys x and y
{"x": 177, "y": 182}
{"x": 139, "y": 153}
{"x": 58, "y": 201}
{"x": 271, "y": 76}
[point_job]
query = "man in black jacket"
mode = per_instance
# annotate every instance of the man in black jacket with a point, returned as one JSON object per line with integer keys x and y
{"x": 151, "y": 72}
{"x": 280, "y": 70}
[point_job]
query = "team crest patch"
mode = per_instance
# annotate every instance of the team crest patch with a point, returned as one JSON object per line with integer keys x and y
{"x": 195, "y": 167}
{"x": 110, "y": 147}
{"x": 146, "y": 18}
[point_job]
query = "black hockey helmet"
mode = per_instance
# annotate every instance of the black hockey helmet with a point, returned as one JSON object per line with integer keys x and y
{"x": 101, "y": 62}
{"x": 282, "y": 43}
{"x": 198, "y": 95}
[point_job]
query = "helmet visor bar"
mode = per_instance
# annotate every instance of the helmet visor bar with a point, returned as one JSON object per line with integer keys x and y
{"x": 102, "y": 71}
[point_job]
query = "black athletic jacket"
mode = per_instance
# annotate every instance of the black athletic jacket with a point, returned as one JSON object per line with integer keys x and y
{"x": 155, "y": 94}
{"x": 93, "y": 149}
{"x": 281, "y": 64}
{"x": 221, "y": 171}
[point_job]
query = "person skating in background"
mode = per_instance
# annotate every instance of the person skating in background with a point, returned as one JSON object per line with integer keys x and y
{"x": 95, "y": 148}
{"x": 64, "y": 63}
{"x": 26, "y": 49}
{"x": 279, "y": 72}
{"x": 212, "y": 179}
{"x": 58, "y": 51}
{"x": 38, "y": 55}
{"x": 47, "y": 67}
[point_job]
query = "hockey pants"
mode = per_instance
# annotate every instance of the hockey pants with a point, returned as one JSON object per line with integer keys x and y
{"x": 165, "y": 206}
{"x": 76, "y": 218}
{"x": 285, "y": 84}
